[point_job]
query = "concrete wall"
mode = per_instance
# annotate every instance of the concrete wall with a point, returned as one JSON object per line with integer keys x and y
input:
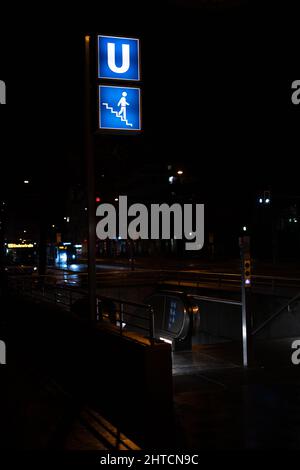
{"x": 287, "y": 324}
{"x": 129, "y": 381}
{"x": 221, "y": 322}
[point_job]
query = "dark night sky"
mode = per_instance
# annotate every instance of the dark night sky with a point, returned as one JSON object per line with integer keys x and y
{"x": 216, "y": 91}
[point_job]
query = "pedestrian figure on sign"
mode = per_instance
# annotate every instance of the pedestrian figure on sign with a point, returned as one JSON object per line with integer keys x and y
{"x": 123, "y": 103}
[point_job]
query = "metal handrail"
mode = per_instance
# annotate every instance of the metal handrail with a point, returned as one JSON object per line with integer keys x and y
{"x": 217, "y": 300}
{"x": 127, "y": 302}
{"x": 65, "y": 296}
{"x": 123, "y": 303}
{"x": 34, "y": 285}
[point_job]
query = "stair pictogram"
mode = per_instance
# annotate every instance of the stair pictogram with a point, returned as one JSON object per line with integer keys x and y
{"x": 117, "y": 114}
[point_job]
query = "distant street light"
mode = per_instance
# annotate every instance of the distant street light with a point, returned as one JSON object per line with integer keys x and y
{"x": 265, "y": 198}
{"x": 179, "y": 172}
{"x": 244, "y": 228}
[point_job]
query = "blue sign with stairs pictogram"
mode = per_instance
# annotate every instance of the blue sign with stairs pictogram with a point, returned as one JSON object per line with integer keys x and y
{"x": 119, "y": 108}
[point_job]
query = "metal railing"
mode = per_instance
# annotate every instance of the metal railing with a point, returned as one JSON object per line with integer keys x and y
{"x": 136, "y": 317}
{"x": 180, "y": 278}
{"x": 45, "y": 289}
{"x": 223, "y": 281}
{"x": 57, "y": 289}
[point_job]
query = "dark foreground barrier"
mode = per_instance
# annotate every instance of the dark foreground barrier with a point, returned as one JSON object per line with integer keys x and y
{"x": 129, "y": 380}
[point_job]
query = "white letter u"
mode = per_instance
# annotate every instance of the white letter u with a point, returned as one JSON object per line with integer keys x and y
{"x": 111, "y": 58}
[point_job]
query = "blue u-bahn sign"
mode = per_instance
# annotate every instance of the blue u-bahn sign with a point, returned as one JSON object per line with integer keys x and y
{"x": 119, "y": 108}
{"x": 118, "y": 58}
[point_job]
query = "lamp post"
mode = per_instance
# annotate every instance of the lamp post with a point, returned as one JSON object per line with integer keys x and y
{"x": 89, "y": 156}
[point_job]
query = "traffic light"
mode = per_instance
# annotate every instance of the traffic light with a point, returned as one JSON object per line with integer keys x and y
{"x": 247, "y": 271}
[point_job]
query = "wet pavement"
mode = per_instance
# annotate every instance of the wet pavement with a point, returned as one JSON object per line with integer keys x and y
{"x": 221, "y": 406}
{"x": 231, "y": 409}
{"x": 192, "y": 362}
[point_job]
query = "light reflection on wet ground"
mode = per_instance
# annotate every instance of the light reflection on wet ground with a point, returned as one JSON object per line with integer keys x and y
{"x": 190, "y": 362}
{"x": 76, "y": 274}
{"x": 220, "y": 405}
{"x": 82, "y": 268}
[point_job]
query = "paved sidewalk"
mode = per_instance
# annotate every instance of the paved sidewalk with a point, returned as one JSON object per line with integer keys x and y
{"x": 221, "y": 406}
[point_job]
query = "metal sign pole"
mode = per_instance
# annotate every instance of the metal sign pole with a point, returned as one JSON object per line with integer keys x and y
{"x": 246, "y": 313}
{"x": 244, "y": 322}
{"x": 89, "y": 151}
